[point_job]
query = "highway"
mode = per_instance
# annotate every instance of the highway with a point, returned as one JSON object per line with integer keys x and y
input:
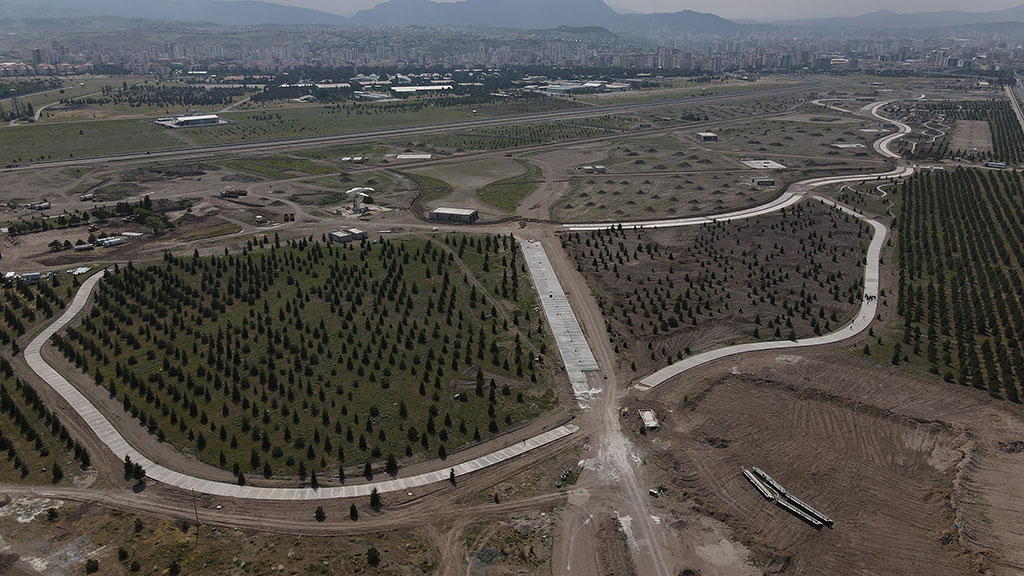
{"x": 376, "y": 135}
{"x": 1016, "y": 96}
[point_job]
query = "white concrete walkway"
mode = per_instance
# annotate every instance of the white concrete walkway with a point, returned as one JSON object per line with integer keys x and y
{"x": 868, "y": 309}
{"x": 882, "y": 144}
{"x": 120, "y": 447}
{"x": 784, "y": 200}
{"x": 577, "y": 356}
{"x": 869, "y": 305}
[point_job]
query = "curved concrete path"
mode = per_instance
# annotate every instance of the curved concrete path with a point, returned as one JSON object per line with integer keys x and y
{"x": 868, "y": 308}
{"x": 786, "y": 199}
{"x": 869, "y": 305}
{"x": 121, "y": 448}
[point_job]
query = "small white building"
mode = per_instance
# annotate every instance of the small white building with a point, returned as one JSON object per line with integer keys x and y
{"x": 649, "y": 418}
{"x": 461, "y": 215}
{"x": 707, "y": 137}
{"x": 347, "y": 235}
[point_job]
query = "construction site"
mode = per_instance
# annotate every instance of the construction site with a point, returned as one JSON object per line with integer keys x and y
{"x": 696, "y": 341}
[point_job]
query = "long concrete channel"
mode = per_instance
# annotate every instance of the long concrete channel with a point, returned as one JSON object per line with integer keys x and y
{"x": 572, "y": 344}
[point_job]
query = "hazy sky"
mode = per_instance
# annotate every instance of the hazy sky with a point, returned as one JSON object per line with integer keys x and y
{"x": 741, "y": 9}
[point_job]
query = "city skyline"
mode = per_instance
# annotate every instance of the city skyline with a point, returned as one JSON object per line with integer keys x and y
{"x": 732, "y": 9}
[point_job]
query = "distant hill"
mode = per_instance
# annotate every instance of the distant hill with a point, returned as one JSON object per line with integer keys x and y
{"x": 536, "y": 14}
{"x": 887, "y": 20}
{"x": 530, "y": 14}
{"x": 685, "y": 21}
{"x": 234, "y": 13}
{"x": 523, "y": 14}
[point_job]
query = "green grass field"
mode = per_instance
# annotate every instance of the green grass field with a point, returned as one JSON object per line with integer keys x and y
{"x": 304, "y": 357}
{"x": 391, "y": 189}
{"x": 62, "y": 140}
{"x": 509, "y": 192}
{"x": 433, "y": 188}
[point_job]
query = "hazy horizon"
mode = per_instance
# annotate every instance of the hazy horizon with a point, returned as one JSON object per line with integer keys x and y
{"x": 733, "y": 9}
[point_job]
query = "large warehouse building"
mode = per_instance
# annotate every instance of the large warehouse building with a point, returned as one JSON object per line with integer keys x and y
{"x": 204, "y": 120}
{"x": 461, "y": 215}
{"x": 192, "y": 121}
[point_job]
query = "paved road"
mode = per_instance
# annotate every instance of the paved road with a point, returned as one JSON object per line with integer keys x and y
{"x": 573, "y": 347}
{"x": 796, "y": 193}
{"x": 374, "y": 135}
{"x": 1016, "y": 95}
{"x": 106, "y": 432}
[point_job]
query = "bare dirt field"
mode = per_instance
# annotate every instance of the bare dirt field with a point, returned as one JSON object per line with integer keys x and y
{"x": 914, "y": 471}
{"x": 558, "y": 167}
{"x": 35, "y": 543}
{"x": 970, "y": 135}
{"x": 519, "y": 544}
{"x": 881, "y": 477}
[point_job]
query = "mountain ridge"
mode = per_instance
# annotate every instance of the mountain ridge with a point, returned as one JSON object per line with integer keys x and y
{"x": 521, "y": 14}
{"x": 890, "y": 20}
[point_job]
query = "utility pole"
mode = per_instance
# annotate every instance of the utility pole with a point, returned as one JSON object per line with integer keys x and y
{"x": 195, "y": 507}
{"x": 15, "y": 109}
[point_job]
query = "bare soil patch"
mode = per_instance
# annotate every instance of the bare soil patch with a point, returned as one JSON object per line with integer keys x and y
{"x": 970, "y": 135}
{"x": 884, "y": 478}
